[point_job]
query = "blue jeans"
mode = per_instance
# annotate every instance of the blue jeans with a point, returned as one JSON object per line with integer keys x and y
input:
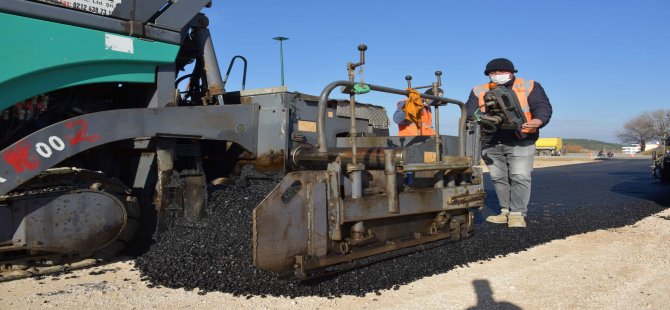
{"x": 510, "y": 165}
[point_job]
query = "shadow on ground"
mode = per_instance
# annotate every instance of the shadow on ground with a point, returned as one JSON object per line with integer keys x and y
{"x": 485, "y": 298}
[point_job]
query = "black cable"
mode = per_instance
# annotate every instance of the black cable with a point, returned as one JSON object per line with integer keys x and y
{"x": 488, "y": 127}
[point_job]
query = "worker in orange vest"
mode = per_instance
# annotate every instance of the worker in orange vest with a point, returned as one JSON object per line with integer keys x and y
{"x": 509, "y": 154}
{"x": 414, "y": 116}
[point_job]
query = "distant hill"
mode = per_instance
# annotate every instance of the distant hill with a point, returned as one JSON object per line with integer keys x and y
{"x": 593, "y": 145}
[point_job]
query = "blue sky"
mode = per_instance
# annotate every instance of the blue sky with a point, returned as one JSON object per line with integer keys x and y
{"x": 600, "y": 62}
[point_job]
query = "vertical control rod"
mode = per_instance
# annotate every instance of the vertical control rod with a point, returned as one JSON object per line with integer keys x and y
{"x": 439, "y": 182}
{"x": 355, "y": 169}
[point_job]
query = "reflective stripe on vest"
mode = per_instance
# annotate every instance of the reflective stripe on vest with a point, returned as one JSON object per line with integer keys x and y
{"x": 521, "y": 88}
{"x": 406, "y": 130}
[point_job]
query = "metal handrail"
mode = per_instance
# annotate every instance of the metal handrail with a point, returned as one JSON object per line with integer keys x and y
{"x": 230, "y": 66}
{"x": 436, "y": 101}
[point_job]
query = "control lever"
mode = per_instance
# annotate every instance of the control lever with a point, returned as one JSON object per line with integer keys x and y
{"x": 438, "y": 75}
{"x": 351, "y": 66}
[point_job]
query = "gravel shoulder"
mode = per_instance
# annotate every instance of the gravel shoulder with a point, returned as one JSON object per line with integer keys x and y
{"x": 618, "y": 268}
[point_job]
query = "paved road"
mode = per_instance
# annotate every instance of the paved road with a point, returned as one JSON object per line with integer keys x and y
{"x": 616, "y": 187}
{"x": 568, "y": 200}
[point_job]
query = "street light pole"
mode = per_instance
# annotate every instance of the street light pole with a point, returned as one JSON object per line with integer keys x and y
{"x": 281, "y": 55}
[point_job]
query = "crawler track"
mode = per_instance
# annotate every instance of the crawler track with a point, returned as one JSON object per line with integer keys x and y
{"x": 20, "y": 262}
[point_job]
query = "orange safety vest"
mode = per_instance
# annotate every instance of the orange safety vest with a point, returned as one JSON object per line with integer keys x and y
{"x": 521, "y": 88}
{"x": 410, "y": 129}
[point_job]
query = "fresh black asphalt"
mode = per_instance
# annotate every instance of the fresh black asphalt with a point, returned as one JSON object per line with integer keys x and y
{"x": 565, "y": 201}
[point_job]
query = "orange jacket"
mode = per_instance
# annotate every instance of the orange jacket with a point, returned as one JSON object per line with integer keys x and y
{"x": 410, "y": 129}
{"x": 521, "y": 88}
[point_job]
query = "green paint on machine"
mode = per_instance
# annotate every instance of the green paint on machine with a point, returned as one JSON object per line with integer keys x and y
{"x": 43, "y": 56}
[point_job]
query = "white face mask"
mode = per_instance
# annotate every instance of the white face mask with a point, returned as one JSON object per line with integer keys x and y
{"x": 500, "y": 78}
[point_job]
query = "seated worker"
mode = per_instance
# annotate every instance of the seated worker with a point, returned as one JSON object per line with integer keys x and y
{"x": 407, "y": 118}
{"x": 415, "y": 119}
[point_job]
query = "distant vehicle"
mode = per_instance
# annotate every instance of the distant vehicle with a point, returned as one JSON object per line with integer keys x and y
{"x": 603, "y": 155}
{"x": 549, "y": 147}
{"x": 631, "y": 149}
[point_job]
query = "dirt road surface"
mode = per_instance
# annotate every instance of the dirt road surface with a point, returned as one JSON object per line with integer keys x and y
{"x": 617, "y": 268}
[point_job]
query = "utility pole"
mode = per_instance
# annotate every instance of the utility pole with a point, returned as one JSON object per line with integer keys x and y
{"x": 281, "y": 55}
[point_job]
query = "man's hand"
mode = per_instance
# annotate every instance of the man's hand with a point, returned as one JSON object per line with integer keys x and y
{"x": 533, "y": 123}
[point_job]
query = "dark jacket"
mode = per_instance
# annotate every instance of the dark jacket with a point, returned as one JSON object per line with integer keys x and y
{"x": 539, "y": 106}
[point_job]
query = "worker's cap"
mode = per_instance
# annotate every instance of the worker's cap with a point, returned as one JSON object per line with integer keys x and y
{"x": 440, "y": 92}
{"x": 499, "y": 64}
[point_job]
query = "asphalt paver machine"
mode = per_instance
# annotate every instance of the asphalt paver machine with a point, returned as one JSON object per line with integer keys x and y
{"x": 100, "y": 146}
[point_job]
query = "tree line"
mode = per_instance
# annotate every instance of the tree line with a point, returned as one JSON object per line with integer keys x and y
{"x": 645, "y": 127}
